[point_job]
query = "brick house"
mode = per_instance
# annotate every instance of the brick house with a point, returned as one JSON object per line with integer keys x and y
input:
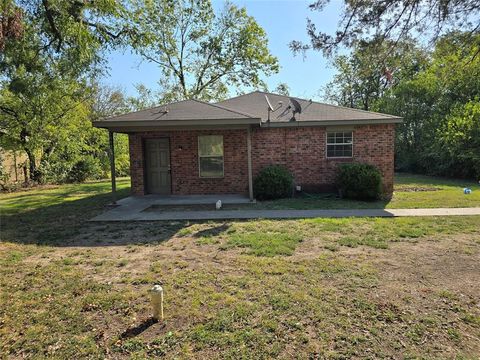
{"x": 193, "y": 147}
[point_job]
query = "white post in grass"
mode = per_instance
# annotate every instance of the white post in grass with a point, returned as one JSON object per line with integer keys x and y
{"x": 156, "y": 297}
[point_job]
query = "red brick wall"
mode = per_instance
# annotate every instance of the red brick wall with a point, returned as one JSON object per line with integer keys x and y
{"x": 301, "y": 149}
{"x": 184, "y": 162}
{"x": 374, "y": 144}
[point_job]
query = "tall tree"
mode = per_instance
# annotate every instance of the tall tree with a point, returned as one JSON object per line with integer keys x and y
{"x": 391, "y": 20}
{"x": 459, "y": 138}
{"x": 200, "y": 53}
{"x": 41, "y": 119}
{"x": 48, "y": 48}
{"x": 35, "y": 98}
{"x": 370, "y": 70}
{"x": 432, "y": 104}
{"x": 105, "y": 101}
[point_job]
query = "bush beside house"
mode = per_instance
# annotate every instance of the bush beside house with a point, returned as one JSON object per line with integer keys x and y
{"x": 359, "y": 181}
{"x": 273, "y": 182}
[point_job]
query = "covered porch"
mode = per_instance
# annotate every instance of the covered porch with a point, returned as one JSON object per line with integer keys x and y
{"x": 186, "y": 148}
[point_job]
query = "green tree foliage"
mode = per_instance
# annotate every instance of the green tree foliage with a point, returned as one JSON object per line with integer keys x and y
{"x": 106, "y": 101}
{"x": 39, "y": 109}
{"x": 282, "y": 89}
{"x": 371, "y": 70}
{"x": 393, "y": 20}
{"x": 75, "y": 30}
{"x": 459, "y": 136}
{"x": 145, "y": 98}
{"x": 49, "y": 48}
{"x": 432, "y": 99}
{"x": 3, "y": 172}
{"x": 52, "y": 52}
{"x": 200, "y": 53}
{"x": 434, "y": 92}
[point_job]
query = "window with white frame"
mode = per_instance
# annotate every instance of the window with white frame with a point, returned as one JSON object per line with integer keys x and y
{"x": 339, "y": 144}
{"x": 210, "y": 156}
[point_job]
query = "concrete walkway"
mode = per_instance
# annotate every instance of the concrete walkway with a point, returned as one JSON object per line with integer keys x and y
{"x": 127, "y": 213}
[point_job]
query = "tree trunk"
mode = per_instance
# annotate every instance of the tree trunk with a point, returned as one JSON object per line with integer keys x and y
{"x": 25, "y": 173}
{"x": 32, "y": 166}
{"x": 366, "y": 104}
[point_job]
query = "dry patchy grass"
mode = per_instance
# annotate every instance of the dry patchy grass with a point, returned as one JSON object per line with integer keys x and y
{"x": 230, "y": 294}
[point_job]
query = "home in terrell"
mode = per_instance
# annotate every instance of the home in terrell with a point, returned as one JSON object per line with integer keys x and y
{"x": 194, "y": 147}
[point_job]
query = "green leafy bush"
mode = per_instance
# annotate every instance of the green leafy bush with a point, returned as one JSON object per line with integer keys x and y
{"x": 87, "y": 168}
{"x": 273, "y": 182}
{"x": 359, "y": 181}
{"x": 55, "y": 170}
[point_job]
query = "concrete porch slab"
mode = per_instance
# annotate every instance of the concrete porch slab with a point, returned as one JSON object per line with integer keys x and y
{"x": 132, "y": 207}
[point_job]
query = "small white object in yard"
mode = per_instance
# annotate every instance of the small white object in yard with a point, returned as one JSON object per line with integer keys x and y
{"x": 218, "y": 205}
{"x": 298, "y": 187}
{"x": 467, "y": 191}
{"x": 156, "y": 297}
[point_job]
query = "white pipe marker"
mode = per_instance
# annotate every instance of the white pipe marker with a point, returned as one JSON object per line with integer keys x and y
{"x": 156, "y": 297}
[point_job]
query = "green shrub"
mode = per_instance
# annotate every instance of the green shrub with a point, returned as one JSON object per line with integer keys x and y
{"x": 359, "y": 181}
{"x": 54, "y": 171}
{"x": 273, "y": 182}
{"x": 87, "y": 168}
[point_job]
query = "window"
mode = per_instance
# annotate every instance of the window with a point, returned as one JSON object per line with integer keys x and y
{"x": 210, "y": 156}
{"x": 339, "y": 144}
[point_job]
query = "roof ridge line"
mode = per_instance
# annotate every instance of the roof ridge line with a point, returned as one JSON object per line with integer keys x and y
{"x": 235, "y": 97}
{"x": 226, "y": 108}
{"x": 318, "y": 102}
{"x": 331, "y": 105}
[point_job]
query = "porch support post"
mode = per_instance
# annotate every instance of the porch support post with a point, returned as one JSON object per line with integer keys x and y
{"x": 249, "y": 161}
{"x": 112, "y": 167}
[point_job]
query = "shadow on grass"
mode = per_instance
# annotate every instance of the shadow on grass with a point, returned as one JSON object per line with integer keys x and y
{"x": 66, "y": 223}
{"x": 137, "y": 330}
{"x": 213, "y": 231}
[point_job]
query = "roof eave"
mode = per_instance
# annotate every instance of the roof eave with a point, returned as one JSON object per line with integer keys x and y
{"x": 332, "y": 122}
{"x": 152, "y": 124}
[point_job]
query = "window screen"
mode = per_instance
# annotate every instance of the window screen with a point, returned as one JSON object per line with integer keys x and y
{"x": 210, "y": 156}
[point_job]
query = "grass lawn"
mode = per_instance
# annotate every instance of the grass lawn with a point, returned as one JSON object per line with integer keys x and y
{"x": 316, "y": 288}
{"x": 410, "y": 191}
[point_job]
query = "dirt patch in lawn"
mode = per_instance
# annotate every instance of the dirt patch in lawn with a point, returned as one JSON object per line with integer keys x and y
{"x": 407, "y": 188}
{"x": 435, "y": 282}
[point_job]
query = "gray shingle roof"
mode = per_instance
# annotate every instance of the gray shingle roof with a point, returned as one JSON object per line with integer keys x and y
{"x": 182, "y": 110}
{"x": 245, "y": 109}
{"x": 255, "y": 104}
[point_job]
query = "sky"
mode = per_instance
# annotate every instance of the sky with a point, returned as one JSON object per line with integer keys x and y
{"x": 283, "y": 21}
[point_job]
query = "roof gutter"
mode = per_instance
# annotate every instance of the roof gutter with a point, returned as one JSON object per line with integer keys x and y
{"x": 331, "y": 123}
